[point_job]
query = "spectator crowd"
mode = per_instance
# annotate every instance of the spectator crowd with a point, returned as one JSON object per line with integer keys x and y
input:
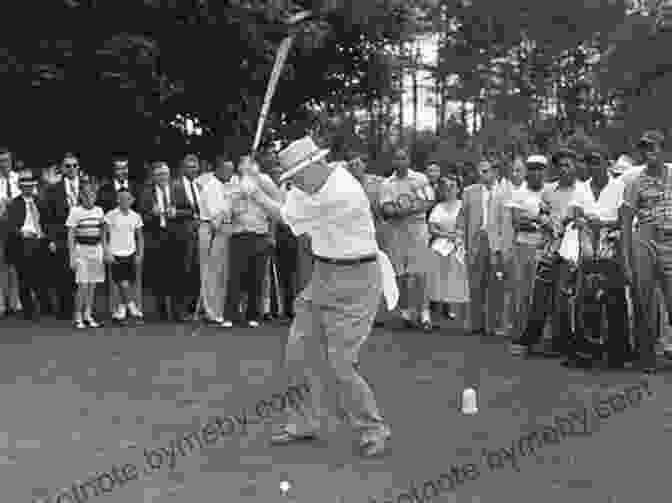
{"x": 544, "y": 251}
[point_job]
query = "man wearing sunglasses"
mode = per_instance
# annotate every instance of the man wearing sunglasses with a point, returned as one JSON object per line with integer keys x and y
{"x": 648, "y": 256}
{"x": 60, "y": 198}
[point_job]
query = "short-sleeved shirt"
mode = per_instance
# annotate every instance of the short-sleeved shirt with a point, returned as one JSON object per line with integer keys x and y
{"x": 413, "y": 186}
{"x": 87, "y": 224}
{"x": 560, "y": 199}
{"x": 529, "y": 201}
{"x": 372, "y": 186}
{"x": 651, "y": 199}
{"x": 122, "y": 227}
{"x": 337, "y": 218}
{"x": 249, "y": 216}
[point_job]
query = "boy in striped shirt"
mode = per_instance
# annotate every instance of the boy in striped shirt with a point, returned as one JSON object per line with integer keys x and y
{"x": 85, "y": 237}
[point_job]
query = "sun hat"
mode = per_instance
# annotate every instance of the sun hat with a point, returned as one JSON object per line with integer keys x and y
{"x": 298, "y": 155}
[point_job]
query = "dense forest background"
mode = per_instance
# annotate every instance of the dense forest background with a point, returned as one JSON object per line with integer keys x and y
{"x": 102, "y": 76}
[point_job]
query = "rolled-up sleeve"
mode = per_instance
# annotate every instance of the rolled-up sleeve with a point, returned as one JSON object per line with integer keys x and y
{"x": 301, "y": 216}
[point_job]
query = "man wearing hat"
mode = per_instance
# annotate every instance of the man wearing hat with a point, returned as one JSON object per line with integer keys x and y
{"x": 338, "y": 306}
{"x": 551, "y": 289}
{"x": 528, "y": 241}
{"x": 648, "y": 257}
{"x": 27, "y": 246}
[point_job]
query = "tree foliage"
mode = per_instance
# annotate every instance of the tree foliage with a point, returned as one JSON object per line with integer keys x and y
{"x": 103, "y": 75}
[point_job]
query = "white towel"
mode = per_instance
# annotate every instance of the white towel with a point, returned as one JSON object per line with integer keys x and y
{"x": 390, "y": 288}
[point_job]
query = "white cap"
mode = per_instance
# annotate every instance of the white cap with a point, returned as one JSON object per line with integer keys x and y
{"x": 537, "y": 159}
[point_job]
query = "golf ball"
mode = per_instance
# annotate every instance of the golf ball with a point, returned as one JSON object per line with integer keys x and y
{"x": 285, "y": 486}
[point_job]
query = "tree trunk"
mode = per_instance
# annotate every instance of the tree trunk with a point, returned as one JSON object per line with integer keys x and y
{"x": 401, "y": 75}
{"x": 414, "y": 67}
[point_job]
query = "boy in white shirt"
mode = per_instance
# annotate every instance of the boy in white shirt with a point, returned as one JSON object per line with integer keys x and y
{"x": 124, "y": 251}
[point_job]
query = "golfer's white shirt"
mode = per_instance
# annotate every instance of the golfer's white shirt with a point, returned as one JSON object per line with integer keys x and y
{"x": 339, "y": 221}
{"x": 214, "y": 200}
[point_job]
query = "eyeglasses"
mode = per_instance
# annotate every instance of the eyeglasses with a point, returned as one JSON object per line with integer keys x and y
{"x": 75, "y": 165}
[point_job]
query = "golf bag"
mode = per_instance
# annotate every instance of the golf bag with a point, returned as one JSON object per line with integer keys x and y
{"x": 601, "y": 322}
{"x": 550, "y": 295}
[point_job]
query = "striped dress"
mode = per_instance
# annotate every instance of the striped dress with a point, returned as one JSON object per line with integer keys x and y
{"x": 88, "y": 252}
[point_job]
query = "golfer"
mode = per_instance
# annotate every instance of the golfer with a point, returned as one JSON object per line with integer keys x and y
{"x": 336, "y": 310}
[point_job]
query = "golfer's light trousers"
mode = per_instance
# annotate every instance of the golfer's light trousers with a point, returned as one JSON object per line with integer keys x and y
{"x": 334, "y": 315}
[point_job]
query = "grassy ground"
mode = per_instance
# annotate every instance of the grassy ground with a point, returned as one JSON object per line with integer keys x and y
{"x": 78, "y": 403}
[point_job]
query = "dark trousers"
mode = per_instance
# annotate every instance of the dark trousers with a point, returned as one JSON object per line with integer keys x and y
{"x": 248, "y": 254}
{"x": 287, "y": 261}
{"x": 64, "y": 280}
{"x": 161, "y": 262}
{"x": 31, "y": 274}
{"x": 550, "y": 297}
{"x": 187, "y": 283}
{"x": 601, "y": 294}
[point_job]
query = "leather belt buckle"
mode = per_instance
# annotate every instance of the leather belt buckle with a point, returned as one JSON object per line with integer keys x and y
{"x": 346, "y": 262}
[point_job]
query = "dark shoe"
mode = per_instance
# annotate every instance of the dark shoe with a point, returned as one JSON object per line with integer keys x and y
{"x": 410, "y": 324}
{"x": 616, "y": 364}
{"x": 577, "y": 363}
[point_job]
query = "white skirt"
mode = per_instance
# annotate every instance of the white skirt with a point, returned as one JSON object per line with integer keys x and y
{"x": 90, "y": 265}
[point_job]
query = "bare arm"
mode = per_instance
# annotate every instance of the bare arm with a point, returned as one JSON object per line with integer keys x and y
{"x": 272, "y": 207}
{"x": 71, "y": 240}
{"x": 626, "y": 216}
{"x": 140, "y": 244}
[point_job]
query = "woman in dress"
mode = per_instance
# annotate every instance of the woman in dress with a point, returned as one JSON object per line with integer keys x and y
{"x": 448, "y": 284}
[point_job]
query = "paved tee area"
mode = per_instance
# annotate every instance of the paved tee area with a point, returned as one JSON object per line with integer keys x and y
{"x": 78, "y": 403}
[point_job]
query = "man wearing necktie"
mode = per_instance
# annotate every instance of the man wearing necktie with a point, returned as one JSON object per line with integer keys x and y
{"x": 483, "y": 246}
{"x": 26, "y": 246}
{"x": 59, "y": 199}
{"x": 8, "y": 191}
{"x": 187, "y": 218}
{"x": 157, "y": 208}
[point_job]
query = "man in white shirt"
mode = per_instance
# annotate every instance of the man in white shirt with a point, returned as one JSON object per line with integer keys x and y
{"x": 250, "y": 248}
{"x": 511, "y": 183}
{"x": 214, "y": 234}
{"x": 405, "y": 199}
{"x": 550, "y": 295}
{"x": 528, "y": 241}
{"x": 598, "y": 221}
{"x": 340, "y": 303}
